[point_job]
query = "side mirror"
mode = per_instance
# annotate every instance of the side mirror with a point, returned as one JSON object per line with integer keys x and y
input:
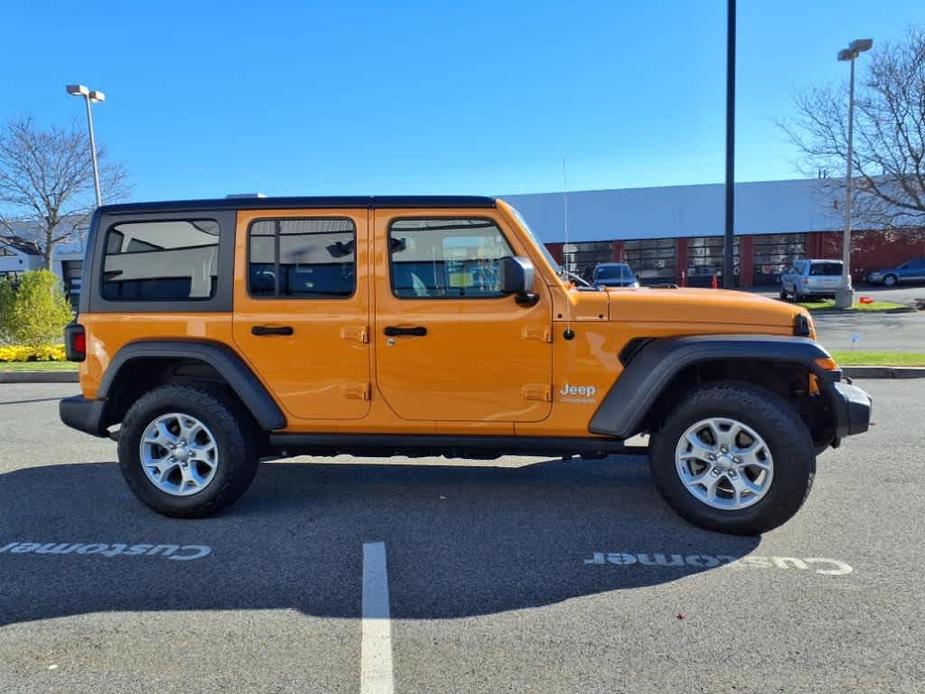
{"x": 516, "y": 277}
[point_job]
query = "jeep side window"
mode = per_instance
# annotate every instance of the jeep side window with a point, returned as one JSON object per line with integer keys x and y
{"x": 161, "y": 261}
{"x": 436, "y": 258}
{"x": 302, "y": 258}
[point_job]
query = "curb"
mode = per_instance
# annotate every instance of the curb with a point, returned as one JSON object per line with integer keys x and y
{"x": 38, "y": 377}
{"x": 884, "y": 371}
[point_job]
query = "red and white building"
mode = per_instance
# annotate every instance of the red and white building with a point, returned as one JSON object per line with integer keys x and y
{"x": 675, "y": 234}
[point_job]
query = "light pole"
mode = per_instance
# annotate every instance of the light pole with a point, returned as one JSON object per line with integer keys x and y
{"x": 844, "y": 298}
{"x": 729, "y": 235}
{"x": 90, "y": 96}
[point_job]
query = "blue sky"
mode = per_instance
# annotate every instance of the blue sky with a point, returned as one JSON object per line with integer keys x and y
{"x": 210, "y": 98}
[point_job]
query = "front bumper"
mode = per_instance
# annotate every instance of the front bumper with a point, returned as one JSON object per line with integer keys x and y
{"x": 851, "y": 407}
{"x": 84, "y": 415}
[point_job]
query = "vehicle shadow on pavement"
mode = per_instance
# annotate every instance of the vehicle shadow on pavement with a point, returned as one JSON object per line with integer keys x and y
{"x": 461, "y": 540}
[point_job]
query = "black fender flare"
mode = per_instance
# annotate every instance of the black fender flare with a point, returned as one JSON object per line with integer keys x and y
{"x": 232, "y": 368}
{"x": 653, "y": 366}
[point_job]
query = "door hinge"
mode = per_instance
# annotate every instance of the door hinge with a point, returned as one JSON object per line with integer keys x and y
{"x": 537, "y": 391}
{"x": 541, "y": 333}
{"x": 356, "y": 391}
{"x": 356, "y": 333}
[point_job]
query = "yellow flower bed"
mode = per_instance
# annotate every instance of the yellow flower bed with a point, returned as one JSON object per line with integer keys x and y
{"x": 23, "y": 353}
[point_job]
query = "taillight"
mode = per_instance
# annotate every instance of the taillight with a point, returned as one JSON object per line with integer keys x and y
{"x": 75, "y": 342}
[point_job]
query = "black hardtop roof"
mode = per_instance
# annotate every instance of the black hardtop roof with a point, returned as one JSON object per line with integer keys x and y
{"x": 323, "y": 202}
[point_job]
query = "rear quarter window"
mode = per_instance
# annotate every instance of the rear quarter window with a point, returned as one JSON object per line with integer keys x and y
{"x": 175, "y": 260}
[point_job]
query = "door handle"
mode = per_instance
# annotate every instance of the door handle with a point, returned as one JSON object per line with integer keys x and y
{"x": 394, "y": 330}
{"x": 264, "y": 330}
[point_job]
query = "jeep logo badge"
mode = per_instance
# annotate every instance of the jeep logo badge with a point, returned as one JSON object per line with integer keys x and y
{"x": 572, "y": 393}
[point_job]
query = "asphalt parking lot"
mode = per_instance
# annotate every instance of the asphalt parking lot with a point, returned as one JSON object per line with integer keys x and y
{"x": 876, "y": 332}
{"x": 888, "y": 332}
{"x": 512, "y": 575}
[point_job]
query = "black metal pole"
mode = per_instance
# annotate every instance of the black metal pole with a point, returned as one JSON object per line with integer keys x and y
{"x": 729, "y": 245}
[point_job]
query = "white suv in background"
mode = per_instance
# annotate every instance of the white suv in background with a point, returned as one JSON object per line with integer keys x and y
{"x": 812, "y": 278}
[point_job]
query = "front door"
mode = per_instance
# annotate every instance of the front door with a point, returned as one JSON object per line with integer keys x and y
{"x": 449, "y": 345}
{"x": 302, "y": 308}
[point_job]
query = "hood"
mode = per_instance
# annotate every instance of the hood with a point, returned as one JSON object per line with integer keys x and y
{"x": 699, "y": 306}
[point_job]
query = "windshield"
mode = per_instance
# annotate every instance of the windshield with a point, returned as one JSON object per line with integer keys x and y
{"x": 611, "y": 272}
{"x": 546, "y": 254}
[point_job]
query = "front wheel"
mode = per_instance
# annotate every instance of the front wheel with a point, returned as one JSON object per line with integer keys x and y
{"x": 186, "y": 452}
{"x": 734, "y": 458}
{"x": 889, "y": 281}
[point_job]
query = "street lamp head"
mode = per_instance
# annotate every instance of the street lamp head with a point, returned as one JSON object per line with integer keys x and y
{"x": 77, "y": 90}
{"x": 855, "y": 48}
{"x": 97, "y": 96}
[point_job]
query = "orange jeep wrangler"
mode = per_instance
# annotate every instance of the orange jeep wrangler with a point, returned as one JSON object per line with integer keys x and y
{"x": 214, "y": 333}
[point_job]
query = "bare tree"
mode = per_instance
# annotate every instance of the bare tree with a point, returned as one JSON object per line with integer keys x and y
{"x": 889, "y": 135}
{"x": 46, "y": 182}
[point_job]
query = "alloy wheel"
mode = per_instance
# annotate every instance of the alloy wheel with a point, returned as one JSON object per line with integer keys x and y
{"x": 724, "y": 463}
{"x": 179, "y": 454}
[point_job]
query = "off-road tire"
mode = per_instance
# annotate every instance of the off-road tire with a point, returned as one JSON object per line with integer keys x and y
{"x": 786, "y": 435}
{"x": 232, "y": 429}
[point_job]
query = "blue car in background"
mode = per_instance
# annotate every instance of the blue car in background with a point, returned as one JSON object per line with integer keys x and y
{"x": 614, "y": 275}
{"x": 909, "y": 271}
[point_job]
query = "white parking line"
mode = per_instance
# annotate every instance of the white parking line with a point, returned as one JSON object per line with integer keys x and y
{"x": 376, "y": 647}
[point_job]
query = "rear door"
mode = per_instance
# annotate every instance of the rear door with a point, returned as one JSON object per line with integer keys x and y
{"x": 302, "y": 308}
{"x": 449, "y": 346}
{"x": 825, "y": 276}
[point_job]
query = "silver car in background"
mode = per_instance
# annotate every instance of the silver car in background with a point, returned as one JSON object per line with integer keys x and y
{"x": 812, "y": 279}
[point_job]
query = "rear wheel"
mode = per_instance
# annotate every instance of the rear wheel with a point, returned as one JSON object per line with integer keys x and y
{"x": 734, "y": 458}
{"x": 186, "y": 452}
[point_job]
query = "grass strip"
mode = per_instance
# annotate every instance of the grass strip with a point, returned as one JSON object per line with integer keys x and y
{"x": 861, "y": 358}
{"x": 875, "y": 307}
